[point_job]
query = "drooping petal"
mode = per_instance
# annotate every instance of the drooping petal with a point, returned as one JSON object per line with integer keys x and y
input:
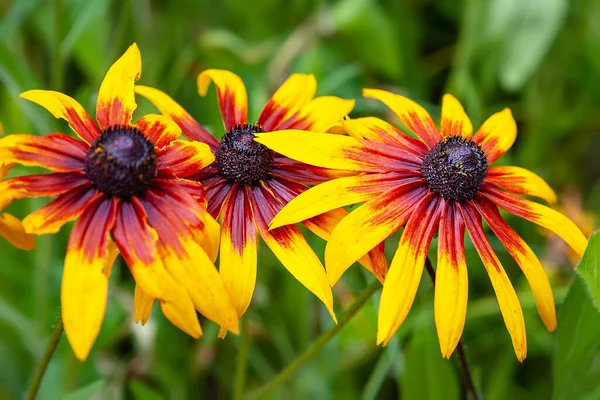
{"x": 183, "y": 158}
{"x": 367, "y": 226}
{"x": 497, "y": 134}
{"x": 415, "y": 117}
{"x": 84, "y": 285}
{"x": 404, "y": 276}
{"x": 451, "y": 280}
{"x": 66, "y": 208}
{"x": 319, "y": 114}
{"x": 190, "y": 128}
{"x": 216, "y": 195}
{"x": 455, "y": 121}
{"x": 507, "y": 298}
{"x": 142, "y": 305}
{"x": 137, "y": 242}
{"x": 286, "y": 102}
{"x": 12, "y": 230}
{"x": 55, "y": 151}
{"x": 521, "y": 181}
{"x": 231, "y": 92}
{"x": 159, "y": 128}
{"x": 67, "y": 108}
{"x": 539, "y": 214}
{"x": 116, "y": 99}
{"x": 238, "y": 249}
{"x": 525, "y": 258}
{"x": 290, "y": 247}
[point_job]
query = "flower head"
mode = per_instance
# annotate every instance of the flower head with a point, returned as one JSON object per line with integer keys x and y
{"x": 125, "y": 185}
{"x": 248, "y": 183}
{"x": 443, "y": 182}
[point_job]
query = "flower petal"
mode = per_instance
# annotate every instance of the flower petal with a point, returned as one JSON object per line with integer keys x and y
{"x": 190, "y": 128}
{"x": 142, "y": 305}
{"x": 67, "y": 108}
{"x": 367, "y": 226}
{"x": 455, "y": 121}
{"x": 539, "y": 214}
{"x": 451, "y": 280}
{"x": 55, "y": 151}
{"x": 116, "y": 99}
{"x": 521, "y": 181}
{"x": 404, "y": 276}
{"x": 319, "y": 114}
{"x": 306, "y": 174}
{"x": 415, "y": 117}
{"x": 231, "y": 92}
{"x": 160, "y": 129}
{"x": 238, "y": 249}
{"x": 290, "y": 247}
{"x": 184, "y": 159}
{"x": 12, "y": 230}
{"x": 497, "y": 135}
{"x": 84, "y": 285}
{"x": 525, "y": 258}
{"x": 507, "y": 298}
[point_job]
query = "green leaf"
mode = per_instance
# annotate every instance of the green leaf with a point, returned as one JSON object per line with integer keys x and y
{"x": 428, "y": 376}
{"x": 86, "y": 392}
{"x": 142, "y": 392}
{"x": 577, "y": 354}
{"x": 589, "y": 269}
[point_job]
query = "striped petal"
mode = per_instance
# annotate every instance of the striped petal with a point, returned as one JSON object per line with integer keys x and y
{"x": 290, "y": 247}
{"x": 12, "y": 230}
{"x": 451, "y": 280}
{"x": 55, "y": 151}
{"x": 540, "y": 215}
{"x": 497, "y": 134}
{"x": 286, "y": 102}
{"x": 231, "y": 92}
{"x": 404, "y": 276}
{"x": 525, "y": 258}
{"x": 367, "y": 226}
{"x": 184, "y": 159}
{"x": 67, "y": 108}
{"x": 507, "y": 298}
{"x": 319, "y": 114}
{"x": 160, "y": 129}
{"x": 84, "y": 285}
{"x": 238, "y": 249}
{"x": 304, "y": 173}
{"x": 415, "y": 117}
{"x": 142, "y": 305}
{"x": 116, "y": 99}
{"x": 455, "y": 121}
{"x": 521, "y": 181}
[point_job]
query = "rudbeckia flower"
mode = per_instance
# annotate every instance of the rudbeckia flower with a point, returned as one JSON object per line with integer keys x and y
{"x": 441, "y": 182}
{"x": 248, "y": 183}
{"x": 125, "y": 186}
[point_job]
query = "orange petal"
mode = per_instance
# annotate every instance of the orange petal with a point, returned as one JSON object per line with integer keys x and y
{"x": 159, "y": 128}
{"x": 521, "y": 181}
{"x": 67, "y": 108}
{"x": 415, "y": 117}
{"x": 12, "y": 230}
{"x": 116, "y": 99}
{"x": 231, "y": 92}
{"x": 507, "y": 298}
{"x": 455, "y": 121}
{"x": 183, "y": 158}
{"x": 142, "y": 305}
{"x": 497, "y": 135}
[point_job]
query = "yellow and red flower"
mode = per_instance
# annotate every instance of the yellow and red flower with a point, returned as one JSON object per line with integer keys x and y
{"x": 442, "y": 182}
{"x": 125, "y": 186}
{"x": 248, "y": 183}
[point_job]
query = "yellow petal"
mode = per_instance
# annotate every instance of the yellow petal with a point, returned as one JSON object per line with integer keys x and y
{"x": 142, "y": 305}
{"x": 455, "y": 121}
{"x": 521, "y": 181}
{"x": 322, "y": 113}
{"x": 231, "y": 92}
{"x": 497, "y": 134}
{"x": 12, "y": 230}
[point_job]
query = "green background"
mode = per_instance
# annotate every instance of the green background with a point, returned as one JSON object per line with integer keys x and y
{"x": 541, "y": 58}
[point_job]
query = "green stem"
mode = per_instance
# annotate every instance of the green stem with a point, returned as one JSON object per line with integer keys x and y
{"x": 317, "y": 345}
{"x": 57, "y": 62}
{"x": 242, "y": 360}
{"x": 48, "y": 353}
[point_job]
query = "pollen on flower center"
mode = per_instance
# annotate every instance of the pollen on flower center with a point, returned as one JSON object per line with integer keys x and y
{"x": 242, "y": 159}
{"x": 121, "y": 162}
{"x": 455, "y": 168}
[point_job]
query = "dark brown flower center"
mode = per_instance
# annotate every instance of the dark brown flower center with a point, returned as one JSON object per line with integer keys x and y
{"x": 240, "y": 158}
{"x": 121, "y": 162}
{"x": 455, "y": 168}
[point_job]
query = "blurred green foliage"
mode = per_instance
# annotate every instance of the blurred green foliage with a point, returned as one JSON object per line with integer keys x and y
{"x": 541, "y": 58}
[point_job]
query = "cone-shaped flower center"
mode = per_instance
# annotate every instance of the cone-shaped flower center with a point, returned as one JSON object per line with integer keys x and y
{"x": 121, "y": 162}
{"x": 240, "y": 158}
{"x": 455, "y": 168}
